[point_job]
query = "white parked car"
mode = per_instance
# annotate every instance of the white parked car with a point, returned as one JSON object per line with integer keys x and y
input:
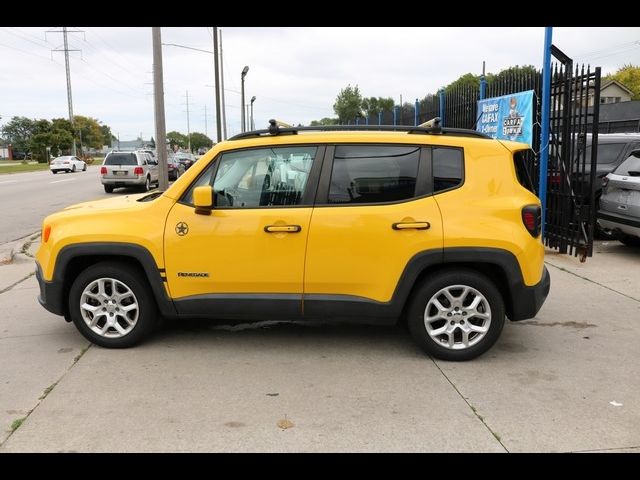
{"x": 68, "y": 164}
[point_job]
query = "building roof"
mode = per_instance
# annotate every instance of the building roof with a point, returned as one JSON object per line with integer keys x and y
{"x": 602, "y": 87}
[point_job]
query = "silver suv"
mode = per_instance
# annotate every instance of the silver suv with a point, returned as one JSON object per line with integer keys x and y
{"x": 128, "y": 169}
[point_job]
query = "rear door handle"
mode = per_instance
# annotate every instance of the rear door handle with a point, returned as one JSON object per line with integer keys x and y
{"x": 282, "y": 228}
{"x": 411, "y": 226}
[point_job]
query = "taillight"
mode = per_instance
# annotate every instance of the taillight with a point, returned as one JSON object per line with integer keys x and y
{"x": 46, "y": 233}
{"x": 138, "y": 171}
{"x": 103, "y": 170}
{"x": 531, "y": 218}
{"x": 605, "y": 182}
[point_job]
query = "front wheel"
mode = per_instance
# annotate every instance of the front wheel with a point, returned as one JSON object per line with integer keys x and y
{"x": 73, "y": 170}
{"x": 84, "y": 168}
{"x": 112, "y": 305}
{"x": 108, "y": 188}
{"x": 456, "y": 315}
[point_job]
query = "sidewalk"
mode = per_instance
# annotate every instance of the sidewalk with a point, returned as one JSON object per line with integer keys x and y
{"x": 563, "y": 381}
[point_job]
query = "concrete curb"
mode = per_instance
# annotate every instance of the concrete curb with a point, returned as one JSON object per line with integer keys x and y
{"x": 18, "y": 251}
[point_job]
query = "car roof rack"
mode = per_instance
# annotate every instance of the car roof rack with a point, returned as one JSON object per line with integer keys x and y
{"x": 432, "y": 127}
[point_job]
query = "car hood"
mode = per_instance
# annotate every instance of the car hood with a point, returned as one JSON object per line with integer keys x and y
{"x": 126, "y": 202}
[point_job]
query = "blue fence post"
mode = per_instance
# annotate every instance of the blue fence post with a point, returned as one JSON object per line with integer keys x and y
{"x": 544, "y": 130}
{"x": 441, "y": 92}
{"x": 380, "y": 117}
{"x": 395, "y": 115}
{"x": 416, "y": 113}
{"x": 367, "y": 119}
{"x": 483, "y": 87}
{"x": 357, "y": 120}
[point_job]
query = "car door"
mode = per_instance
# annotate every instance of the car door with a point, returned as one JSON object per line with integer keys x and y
{"x": 247, "y": 257}
{"x": 373, "y": 214}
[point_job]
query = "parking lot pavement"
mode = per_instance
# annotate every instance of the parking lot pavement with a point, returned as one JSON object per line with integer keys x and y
{"x": 564, "y": 381}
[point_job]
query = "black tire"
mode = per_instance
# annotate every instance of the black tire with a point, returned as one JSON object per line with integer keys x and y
{"x": 73, "y": 170}
{"x": 423, "y": 294}
{"x": 84, "y": 168}
{"x": 603, "y": 233}
{"x": 108, "y": 188}
{"x": 629, "y": 240}
{"x": 147, "y": 185}
{"x": 54, "y": 171}
{"x": 147, "y": 309}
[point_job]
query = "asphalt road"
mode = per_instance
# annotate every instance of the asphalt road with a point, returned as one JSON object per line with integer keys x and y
{"x": 27, "y": 198}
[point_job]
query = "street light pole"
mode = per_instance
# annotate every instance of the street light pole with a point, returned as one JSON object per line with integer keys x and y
{"x": 253, "y": 127}
{"x": 245, "y": 70}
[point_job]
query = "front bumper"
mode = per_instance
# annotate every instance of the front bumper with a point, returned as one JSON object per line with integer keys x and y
{"x": 527, "y": 301}
{"x": 50, "y": 294}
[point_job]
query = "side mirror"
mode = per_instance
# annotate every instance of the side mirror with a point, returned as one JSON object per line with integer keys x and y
{"x": 203, "y": 200}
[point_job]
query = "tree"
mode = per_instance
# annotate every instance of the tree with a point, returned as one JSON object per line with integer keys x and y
{"x": 511, "y": 73}
{"x": 18, "y": 132}
{"x": 348, "y": 104}
{"x": 177, "y": 138}
{"x": 466, "y": 80}
{"x": 386, "y": 104}
{"x": 325, "y": 121}
{"x": 629, "y": 76}
{"x": 152, "y": 143}
{"x": 370, "y": 106}
{"x": 199, "y": 140}
{"x": 107, "y": 137}
{"x": 88, "y": 132}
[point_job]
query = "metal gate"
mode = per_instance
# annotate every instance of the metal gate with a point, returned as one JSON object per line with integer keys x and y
{"x": 571, "y": 206}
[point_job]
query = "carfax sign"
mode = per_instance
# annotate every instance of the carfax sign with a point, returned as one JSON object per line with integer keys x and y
{"x": 509, "y": 117}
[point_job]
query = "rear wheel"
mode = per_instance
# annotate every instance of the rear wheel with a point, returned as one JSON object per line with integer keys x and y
{"x": 54, "y": 171}
{"x": 456, "y": 315}
{"x": 108, "y": 188}
{"x": 147, "y": 185}
{"x": 112, "y": 305}
{"x": 73, "y": 170}
{"x": 629, "y": 240}
{"x": 602, "y": 233}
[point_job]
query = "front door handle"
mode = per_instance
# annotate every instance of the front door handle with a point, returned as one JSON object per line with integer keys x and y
{"x": 411, "y": 226}
{"x": 282, "y": 228}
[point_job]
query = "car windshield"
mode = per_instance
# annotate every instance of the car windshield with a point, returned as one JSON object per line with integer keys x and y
{"x": 63, "y": 159}
{"x": 121, "y": 159}
{"x": 631, "y": 166}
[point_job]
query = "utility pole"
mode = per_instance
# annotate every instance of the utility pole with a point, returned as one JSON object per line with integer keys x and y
{"x": 224, "y": 112}
{"x": 66, "y": 51}
{"x": 188, "y": 127}
{"x": 217, "y": 84}
{"x": 158, "y": 98}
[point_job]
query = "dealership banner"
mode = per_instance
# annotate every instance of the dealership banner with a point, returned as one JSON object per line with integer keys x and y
{"x": 509, "y": 117}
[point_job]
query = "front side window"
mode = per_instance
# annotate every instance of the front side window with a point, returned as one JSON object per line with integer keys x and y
{"x": 262, "y": 177}
{"x": 373, "y": 174}
{"x": 447, "y": 168}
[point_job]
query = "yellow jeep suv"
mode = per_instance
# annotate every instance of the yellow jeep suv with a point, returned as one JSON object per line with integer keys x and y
{"x": 431, "y": 226}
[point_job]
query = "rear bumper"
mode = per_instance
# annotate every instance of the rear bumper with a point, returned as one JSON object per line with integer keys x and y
{"x": 123, "y": 182}
{"x": 625, "y": 223}
{"x": 50, "y": 294}
{"x": 527, "y": 301}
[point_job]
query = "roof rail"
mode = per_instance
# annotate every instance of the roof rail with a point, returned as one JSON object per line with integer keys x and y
{"x": 433, "y": 129}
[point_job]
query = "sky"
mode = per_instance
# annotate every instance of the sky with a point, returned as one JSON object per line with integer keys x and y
{"x": 294, "y": 73}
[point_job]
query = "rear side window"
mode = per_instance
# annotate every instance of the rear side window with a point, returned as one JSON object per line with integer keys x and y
{"x": 447, "y": 168}
{"x": 373, "y": 174}
{"x": 606, "y": 153}
{"x": 121, "y": 159}
{"x": 631, "y": 166}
